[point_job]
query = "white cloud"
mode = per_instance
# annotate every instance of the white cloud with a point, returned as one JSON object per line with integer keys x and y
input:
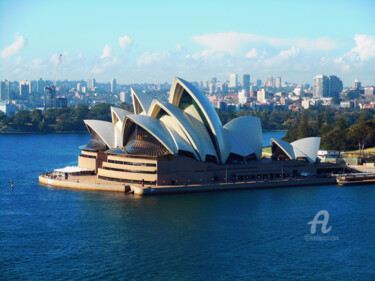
{"x": 97, "y": 70}
{"x": 178, "y": 47}
{"x": 232, "y": 42}
{"x": 252, "y": 54}
{"x": 14, "y": 48}
{"x": 55, "y": 57}
{"x": 289, "y": 53}
{"x": 124, "y": 41}
{"x": 107, "y": 52}
{"x": 37, "y": 61}
{"x": 360, "y": 58}
{"x": 110, "y": 63}
{"x": 148, "y": 57}
{"x": 364, "y": 49}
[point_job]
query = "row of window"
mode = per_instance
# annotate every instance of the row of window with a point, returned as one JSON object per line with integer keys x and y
{"x": 126, "y": 180}
{"x": 87, "y": 156}
{"x": 131, "y": 163}
{"x": 129, "y": 171}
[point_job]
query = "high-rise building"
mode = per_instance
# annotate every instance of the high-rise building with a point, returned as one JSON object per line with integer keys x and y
{"x": 370, "y": 91}
{"x": 79, "y": 87}
{"x": 40, "y": 86}
{"x": 327, "y": 86}
{"x": 4, "y": 91}
{"x": 335, "y": 86}
{"x": 258, "y": 83}
{"x": 213, "y": 80}
{"x": 233, "y": 80}
{"x": 33, "y": 86}
{"x": 91, "y": 83}
{"x": 246, "y": 82}
{"x": 125, "y": 97}
{"x": 25, "y": 90}
{"x": 261, "y": 95}
{"x": 211, "y": 88}
{"x": 269, "y": 81}
{"x": 243, "y": 96}
{"x": 277, "y": 82}
{"x": 356, "y": 85}
{"x": 113, "y": 85}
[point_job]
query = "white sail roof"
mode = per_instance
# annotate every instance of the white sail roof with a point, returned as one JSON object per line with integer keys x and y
{"x": 306, "y": 147}
{"x": 248, "y": 129}
{"x": 285, "y": 146}
{"x": 237, "y": 145}
{"x": 103, "y": 129}
{"x": 192, "y": 130}
{"x": 118, "y": 115}
{"x": 206, "y": 112}
{"x": 156, "y": 128}
{"x": 141, "y": 102}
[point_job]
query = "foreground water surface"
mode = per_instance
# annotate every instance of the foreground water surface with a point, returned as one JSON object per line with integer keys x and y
{"x": 59, "y": 234}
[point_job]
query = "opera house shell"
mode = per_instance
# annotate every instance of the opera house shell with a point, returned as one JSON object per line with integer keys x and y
{"x": 179, "y": 142}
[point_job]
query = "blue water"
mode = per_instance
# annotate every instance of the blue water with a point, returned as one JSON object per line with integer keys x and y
{"x": 58, "y": 234}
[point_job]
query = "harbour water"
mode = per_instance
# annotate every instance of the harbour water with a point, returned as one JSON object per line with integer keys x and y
{"x": 59, "y": 234}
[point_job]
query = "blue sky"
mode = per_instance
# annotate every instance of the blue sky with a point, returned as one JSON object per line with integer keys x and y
{"x": 153, "y": 41}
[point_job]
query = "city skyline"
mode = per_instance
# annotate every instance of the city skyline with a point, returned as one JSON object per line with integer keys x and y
{"x": 150, "y": 42}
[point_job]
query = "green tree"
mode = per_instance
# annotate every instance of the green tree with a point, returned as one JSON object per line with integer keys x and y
{"x": 50, "y": 115}
{"x": 304, "y": 129}
{"x": 362, "y": 133}
{"x": 335, "y": 139}
{"x": 36, "y": 118}
{"x": 127, "y": 107}
{"x": 101, "y": 111}
{"x": 21, "y": 119}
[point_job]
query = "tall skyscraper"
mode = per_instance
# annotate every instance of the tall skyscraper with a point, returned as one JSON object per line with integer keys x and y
{"x": 125, "y": 97}
{"x": 335, "y": 86}
{"x": 233, "y": 80}
{"x": 269, "y": 81}
{"x": 91, "y": 83}
{"x": 211, "y": 88}
{"x": 79, "y": 87}
{"x": 258, "y": 83}
{"x": 246, "y": 82}
{"x": 327, "y": 86}
{"x": 33, "y": 86}
{"x": 25, "y": 90}
{"x": 370, "y": 91}
{"x": 4, "y": 90}
{"x": 40, "y": 86}
{"x": 356, "y": 85}
{"x": 277, "y": 82}
{"x": 113, "y": 85}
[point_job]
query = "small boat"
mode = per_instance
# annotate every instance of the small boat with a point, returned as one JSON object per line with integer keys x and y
{"x": 356, "y": 178}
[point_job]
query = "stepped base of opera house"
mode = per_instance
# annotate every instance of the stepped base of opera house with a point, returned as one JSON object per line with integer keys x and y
{"x": 182, "y": 174}
{"x": 182, "y": 146}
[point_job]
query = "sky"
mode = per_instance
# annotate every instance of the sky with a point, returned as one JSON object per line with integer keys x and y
{"x": 154, "y": 41}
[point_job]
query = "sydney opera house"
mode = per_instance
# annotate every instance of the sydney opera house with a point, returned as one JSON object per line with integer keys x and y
{"x": 183, "y": 142}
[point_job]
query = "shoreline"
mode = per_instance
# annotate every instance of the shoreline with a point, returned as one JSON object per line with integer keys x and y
{"x": 136, "y": 189}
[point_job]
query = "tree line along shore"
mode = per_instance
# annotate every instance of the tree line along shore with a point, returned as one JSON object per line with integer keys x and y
{"x": 340, "y": 129}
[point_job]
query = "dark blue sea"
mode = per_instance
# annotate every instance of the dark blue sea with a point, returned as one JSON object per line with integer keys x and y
{"x": 61, "y": 234}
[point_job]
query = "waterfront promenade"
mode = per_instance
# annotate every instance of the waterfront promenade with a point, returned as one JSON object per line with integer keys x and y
{"x": 92, "y": 183}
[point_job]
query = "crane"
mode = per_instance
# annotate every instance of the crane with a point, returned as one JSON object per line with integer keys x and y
{"x": 52, "y": 88}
